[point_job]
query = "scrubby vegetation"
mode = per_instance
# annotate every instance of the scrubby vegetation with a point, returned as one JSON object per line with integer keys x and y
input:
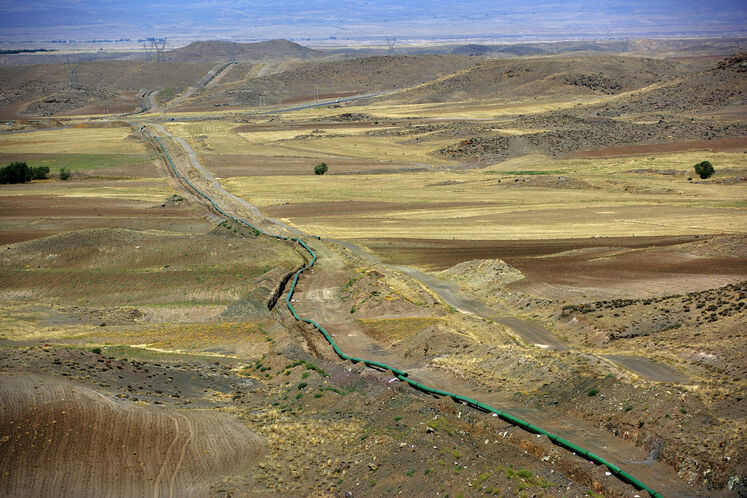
{"x": 320, "y": 168}
{"x": 20, "y": 172}
{"x": 704, "y": 169}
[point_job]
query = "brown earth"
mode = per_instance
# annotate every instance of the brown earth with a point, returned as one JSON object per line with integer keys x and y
{"x": 576, "y": 268}
{"x": 227, "y": 165}
{"x": 43, "y": 89}
{"x": 361, "y": 75}
{"x": 717, "y": 145}
{"x": 59, "y": 438}
{"x": 344, "y": 208}
{"x": 50, "y": 215}
{"x": 535, "y": 76}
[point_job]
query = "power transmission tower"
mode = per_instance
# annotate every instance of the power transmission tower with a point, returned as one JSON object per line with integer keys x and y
{"x": 74, "y": 77}
{"x": 158, "y": 45}
{"x": 316, "y": 94}
{"x": 391, "y": 42}
{"x": 147, "y": 49}
{"x": 232, "y": 52}
{"x": 261, "y": 100}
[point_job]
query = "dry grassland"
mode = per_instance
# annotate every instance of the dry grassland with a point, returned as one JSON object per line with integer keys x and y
{"x": 73, "y": 141}
{"x": 511, "y": 202}
{"x": 154, "y": 190}
{"x": 219, "y": 137}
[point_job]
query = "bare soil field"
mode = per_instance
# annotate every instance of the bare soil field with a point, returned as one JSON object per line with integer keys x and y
{"x": 581, "y": 268}
{"x": 724, "y": 144}
{"x": 58, "y": 434}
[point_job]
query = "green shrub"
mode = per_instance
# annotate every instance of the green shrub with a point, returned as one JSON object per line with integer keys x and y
{"x": 320, "y": 168}
{"x": 39, "y": 173}
{"x": 64, "y": 174}
{"x": 302, "y": 385}
{"x": 593, "y": 391}
{"x": 704, "y": 169}
{"x": 96, "y": 350}
{"x": 15, "y": 172}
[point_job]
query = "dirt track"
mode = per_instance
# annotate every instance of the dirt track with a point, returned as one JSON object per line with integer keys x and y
{"x": 58, "y": 438}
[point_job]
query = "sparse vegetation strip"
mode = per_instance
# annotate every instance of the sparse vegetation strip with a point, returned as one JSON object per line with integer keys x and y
{"x": 401, "y": 375}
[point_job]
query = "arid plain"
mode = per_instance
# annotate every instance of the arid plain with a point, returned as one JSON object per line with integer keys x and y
{"x": 524, "y": 230}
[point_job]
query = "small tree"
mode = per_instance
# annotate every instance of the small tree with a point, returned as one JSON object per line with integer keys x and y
{"x": 320, "y": 168}
{"x": 16, "y": 172}
{"x": 64, "y": 174}
{"x": 704, "y": 169}
{"x": 39, "y": 173}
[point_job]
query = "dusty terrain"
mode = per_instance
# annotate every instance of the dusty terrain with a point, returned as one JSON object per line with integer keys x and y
{"x": 528, "y": 232}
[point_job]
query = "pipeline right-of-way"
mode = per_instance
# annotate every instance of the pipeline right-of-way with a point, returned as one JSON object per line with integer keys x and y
{"x": 399, "y": 374}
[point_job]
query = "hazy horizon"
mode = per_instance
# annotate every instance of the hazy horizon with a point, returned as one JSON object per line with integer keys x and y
{"x": 325, "y": 22}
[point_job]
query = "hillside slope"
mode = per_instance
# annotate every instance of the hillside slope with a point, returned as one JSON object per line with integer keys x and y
{"x": 529, "y": 77}
{"x": 352, "y": 75}
{"x": 215, "y": 50}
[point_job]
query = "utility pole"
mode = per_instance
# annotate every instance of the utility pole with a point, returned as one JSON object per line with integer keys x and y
{"x": 261, "y": 100}
{"x": 316, "y": 94}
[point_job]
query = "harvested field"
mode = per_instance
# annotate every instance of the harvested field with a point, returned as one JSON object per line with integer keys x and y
{"x": 29, "y": 216}
{"x": 131, "y": 165}
{"x": 581, "y": 268}
{"x": 74, "y": 141}
{"x": 58, "y": 437}
{"x": 110, "y": 267}
{"x": 227, "y": 166}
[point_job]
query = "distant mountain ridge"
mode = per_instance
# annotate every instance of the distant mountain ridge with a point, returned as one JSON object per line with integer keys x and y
{"x": 213, "y": 50}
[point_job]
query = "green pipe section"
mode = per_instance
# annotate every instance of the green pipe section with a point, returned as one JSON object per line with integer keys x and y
{"x": 403, "y": 376}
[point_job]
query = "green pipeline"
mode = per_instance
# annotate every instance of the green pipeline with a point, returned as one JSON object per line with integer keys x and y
{"x": 401, "y": 375}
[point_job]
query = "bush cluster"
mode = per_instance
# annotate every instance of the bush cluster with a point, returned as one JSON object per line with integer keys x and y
{"x": 320, "y": 168}
{"x": 20, "y": 172}
{"x": 704, "y": 169}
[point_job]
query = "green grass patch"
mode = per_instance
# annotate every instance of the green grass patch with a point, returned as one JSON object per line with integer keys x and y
{"x": 84, "y": 162}
{"x": 166, "y": 94}
{"x": 528, "y": 478}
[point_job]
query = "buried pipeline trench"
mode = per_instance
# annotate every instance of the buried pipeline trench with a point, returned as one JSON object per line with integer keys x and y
{"x": 400, "y": 374}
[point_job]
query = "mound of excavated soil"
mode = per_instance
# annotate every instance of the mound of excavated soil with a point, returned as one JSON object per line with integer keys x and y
{"x": 482, "y": 274}
{"x": 59, "y": 438}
